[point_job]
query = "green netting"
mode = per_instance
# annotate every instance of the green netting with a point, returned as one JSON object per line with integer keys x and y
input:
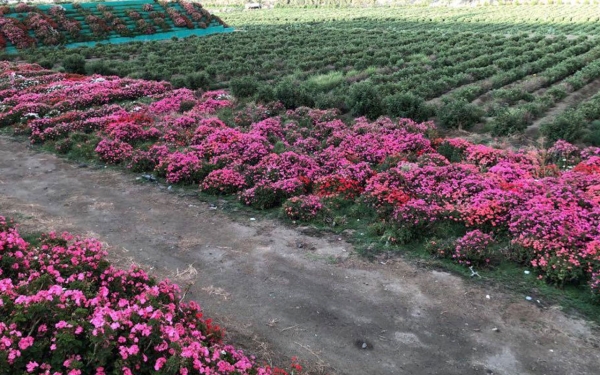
{"x": 144, "y": 38}
{"x": 119, "y": 9}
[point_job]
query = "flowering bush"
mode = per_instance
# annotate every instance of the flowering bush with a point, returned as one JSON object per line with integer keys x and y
{"x": 113, "y": 151}
{"x": 65, "y": 310}
{"x": 474, "y": 248}
{"x": 223, "y": 181}
{"x": 184, "y": 167}
{"x": 303, "y": 207}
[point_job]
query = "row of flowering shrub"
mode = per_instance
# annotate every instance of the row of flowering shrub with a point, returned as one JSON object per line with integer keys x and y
{"x": 540, "y": 208}
{"x": 59, "y": 25}
{"x": 65, "y": 310}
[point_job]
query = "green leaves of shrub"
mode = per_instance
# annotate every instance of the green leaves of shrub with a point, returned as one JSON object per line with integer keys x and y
{"x": 364, "y": 100}
{"x": 458, "y": 114}
{"x": 74, "y": 64}
{"x": 407, "y": 105}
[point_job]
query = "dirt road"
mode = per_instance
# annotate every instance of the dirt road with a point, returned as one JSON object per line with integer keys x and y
{"x": 281, "y": 293}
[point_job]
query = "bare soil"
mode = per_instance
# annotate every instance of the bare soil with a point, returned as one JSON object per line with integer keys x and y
{"x": 280, "y": 292}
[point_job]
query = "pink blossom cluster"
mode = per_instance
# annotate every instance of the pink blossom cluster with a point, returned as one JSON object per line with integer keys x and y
{"x": 178, "y": 19}
{"x": 474, "y": 248}
{"x": 71, "y": 26}
{"x": 223, "y": 181}
{"x": 65, "y": 310}
{"x": 45, "y": 29}
{"x": 548, "y": 211}
{"x": 303, "y": 207}
{"x": 191, "y": 10}
{"x": 16, "y": 33}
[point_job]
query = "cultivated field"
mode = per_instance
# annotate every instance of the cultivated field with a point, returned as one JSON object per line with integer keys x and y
{"x": 313, "y": 177}
{"x": 522, "y": 66}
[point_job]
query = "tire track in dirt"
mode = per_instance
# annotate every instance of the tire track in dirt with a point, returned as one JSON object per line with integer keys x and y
{"x": 278, "y": 299}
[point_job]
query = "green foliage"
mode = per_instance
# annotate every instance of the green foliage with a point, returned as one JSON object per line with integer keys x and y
{"x": 99, "y": 67}
{"x": 568, "y": 126}
{"x": 74, "y": 64}
{"x": 293, "y": 94}
{"x": 197, "y": 80}
{"x": 244, "y": 87}
{"x": 509, "y": 122}
{"x": 407, "y": 105}
{"x": 592, "y": 134}
{"x": 364, "y": 100}
{"x": 458, "y": 114}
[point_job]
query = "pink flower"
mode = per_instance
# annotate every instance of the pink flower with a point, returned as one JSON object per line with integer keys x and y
{"x": 25, "y": 342}
{"x": 31, "y": 366}
{"x": 160, "y": 363}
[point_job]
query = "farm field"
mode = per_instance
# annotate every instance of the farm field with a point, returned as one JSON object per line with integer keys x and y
{"x": 376, "y": 190}
{"x": 520, "y": 67}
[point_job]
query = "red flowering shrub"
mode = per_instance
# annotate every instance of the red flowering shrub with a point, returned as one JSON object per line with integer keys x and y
{"x": 338, "y": 186}
{"x": 182, "y": 167}
{"x": 303, "y": 207}
{"x": 474, "y": 248}
{"x": 223, "y": 181}
{"x": 113, "y": 151}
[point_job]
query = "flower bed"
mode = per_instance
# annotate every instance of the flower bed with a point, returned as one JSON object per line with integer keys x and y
{"x": 65, "y": 310}
{"x": 535, "y": 207}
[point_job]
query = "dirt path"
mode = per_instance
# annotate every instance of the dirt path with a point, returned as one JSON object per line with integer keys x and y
{"x": 281, "y": 293}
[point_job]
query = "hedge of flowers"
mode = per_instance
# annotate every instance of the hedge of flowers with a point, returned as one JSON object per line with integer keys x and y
{"x": 540, "y": 208}
{"x": 65, "y": 310}
{"x": 58, "y": 26}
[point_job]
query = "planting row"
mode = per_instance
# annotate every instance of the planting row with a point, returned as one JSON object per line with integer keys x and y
{"x": 537, "y": 208}
{"x": 65, "y": 310}
{"x": 26, "y": 26}
{"x": 394, "y": 65}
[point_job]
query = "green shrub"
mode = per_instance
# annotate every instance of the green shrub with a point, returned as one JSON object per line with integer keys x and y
{"x": 568, "y": 126}
{"x": 178, "y": 81}
{"x": 458, "y": 114}
{"x": 98, "y": 67}
{"x": 46, "y": 63}
{"x": 197, "y": 80}
{"x": 591, "y": 135}
{"x": 509, "y": 122}
{"x": 74, "y": 64}
{"x": 292, "y": 94}
{"x": 364, "y": 100}
{"x": 244, "y": 87}
{"x": 265, "y": 93}
{"x": 407, "y": 105}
